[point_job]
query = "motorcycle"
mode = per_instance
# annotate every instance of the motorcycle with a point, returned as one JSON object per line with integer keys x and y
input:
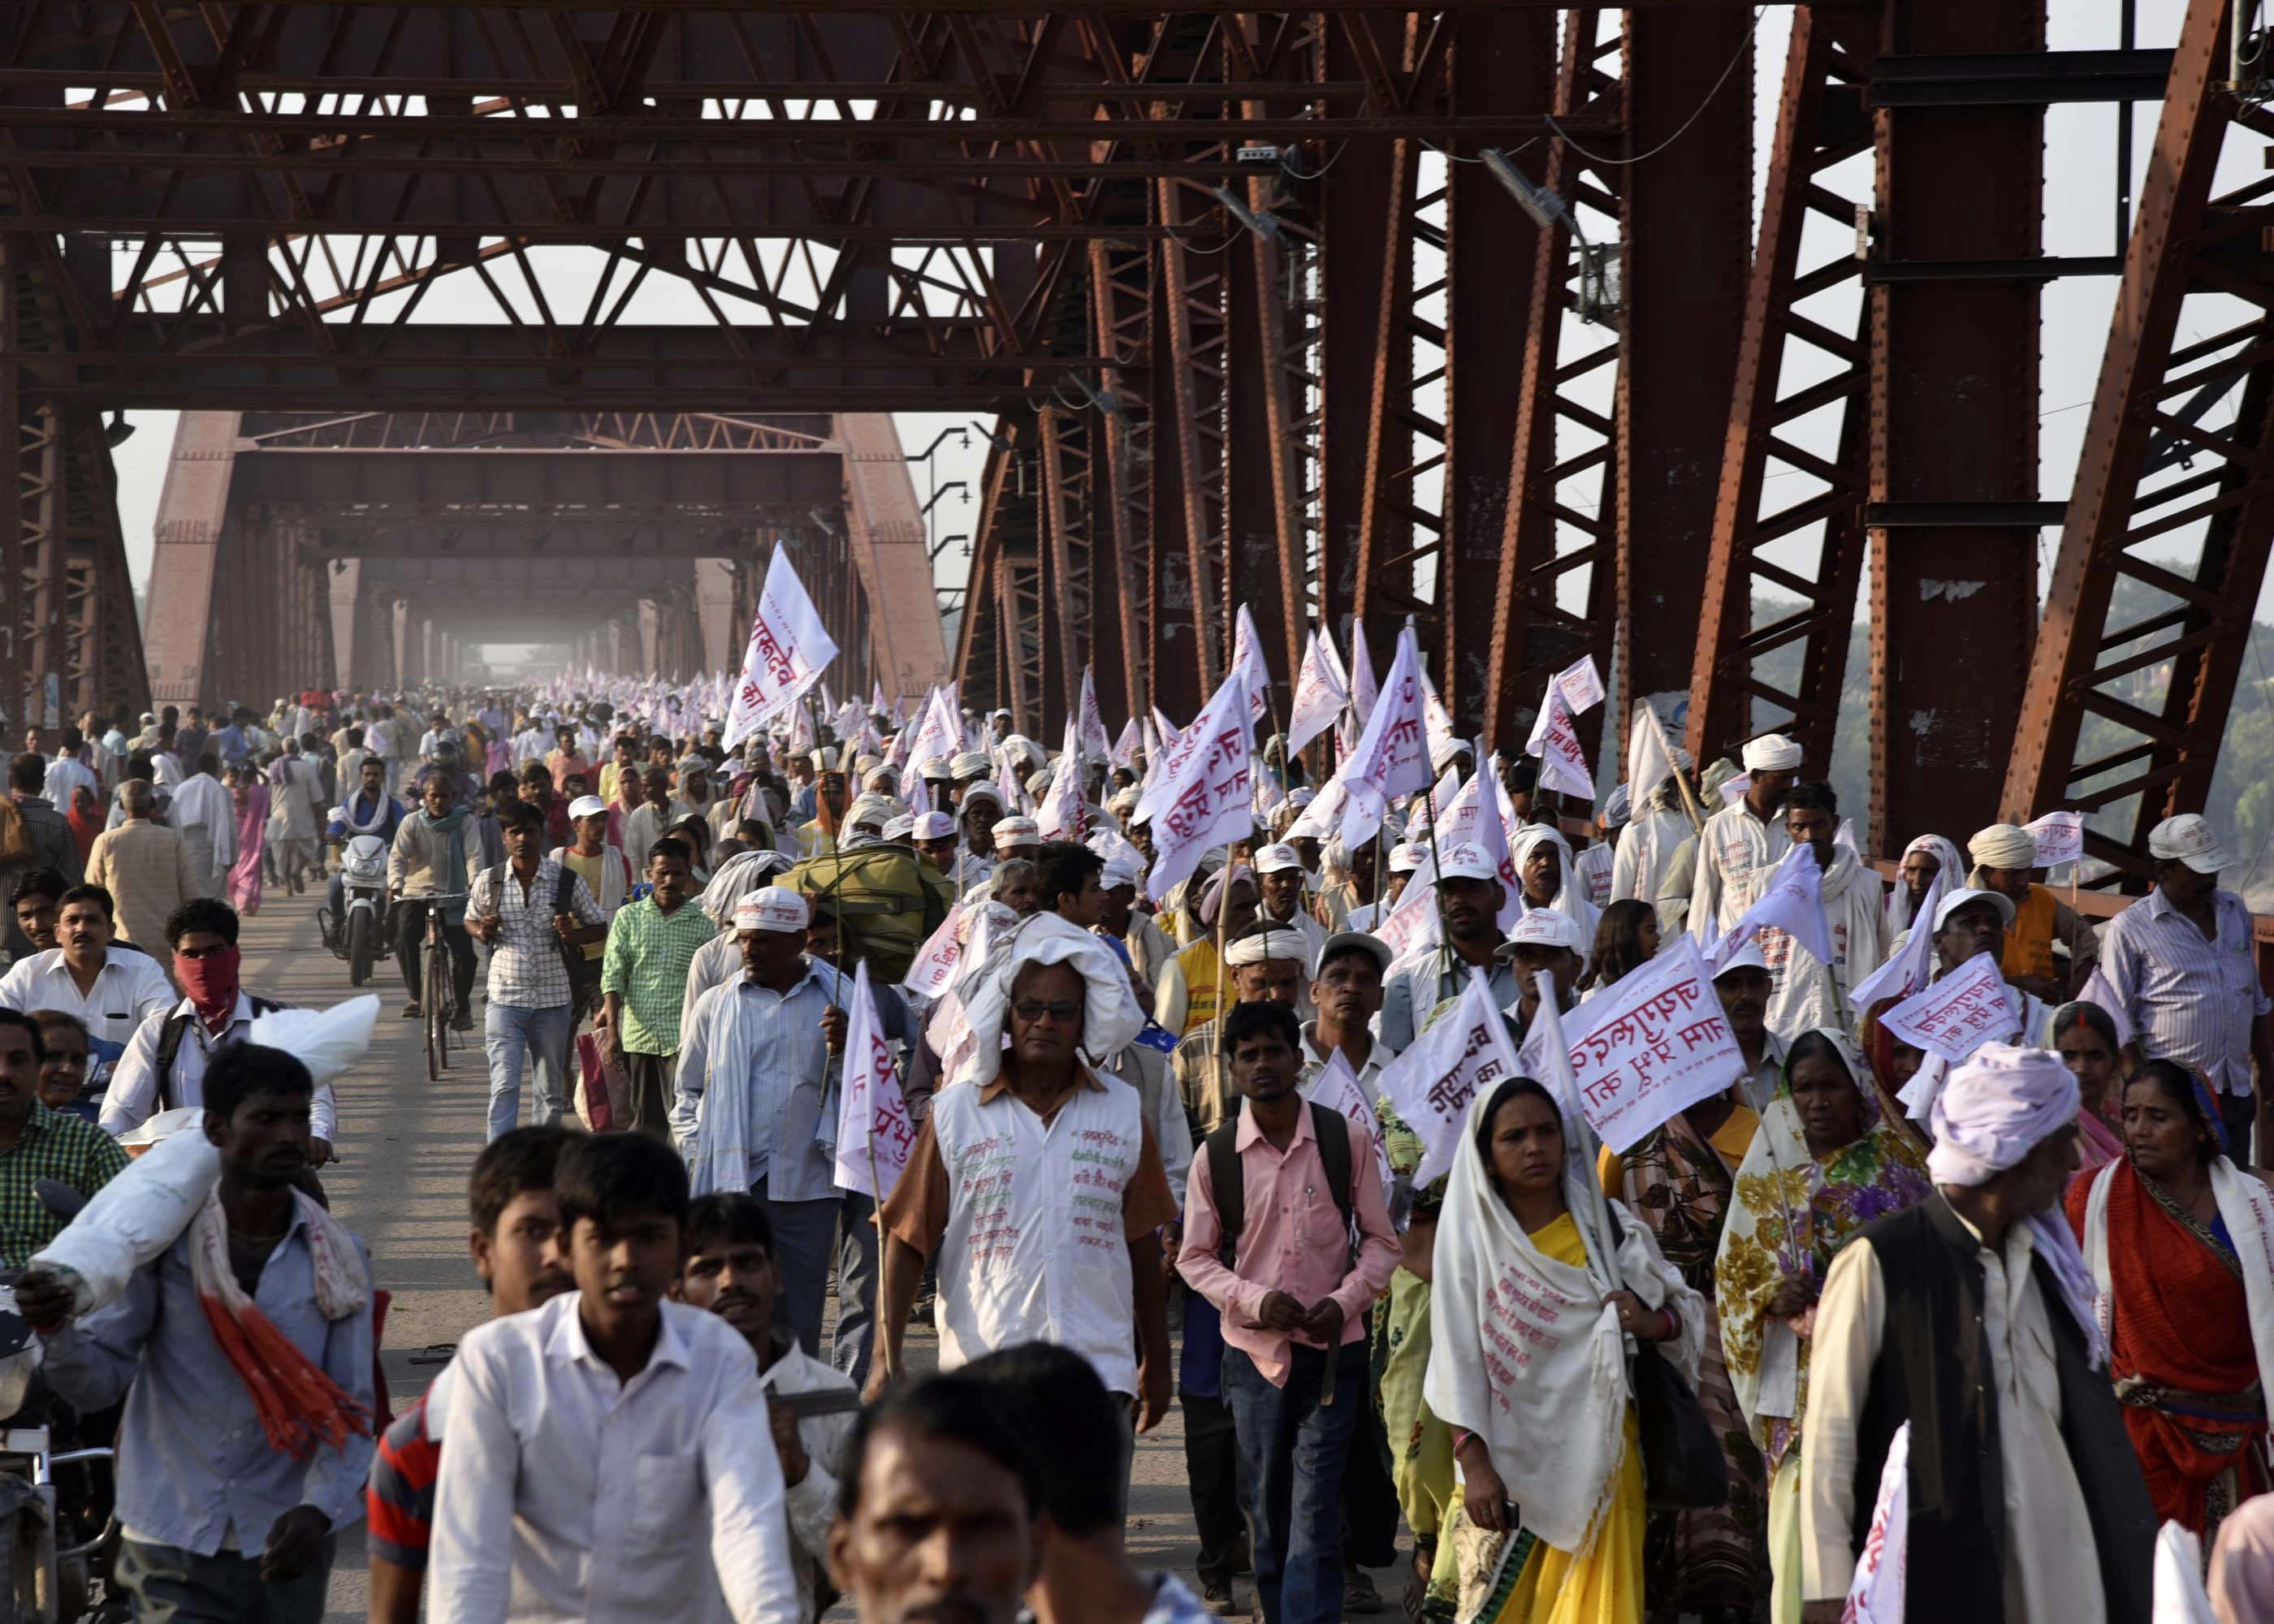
{"x": 58, "y": 1531}
{"x": 356, "y": 935}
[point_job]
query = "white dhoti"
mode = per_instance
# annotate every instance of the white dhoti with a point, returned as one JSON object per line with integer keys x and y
{"x": 197, "y": 841}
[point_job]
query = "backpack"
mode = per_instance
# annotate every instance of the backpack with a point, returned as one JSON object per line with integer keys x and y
{"x": 169, "y": 1044}
{"x": 887, "y": 907}
{"x": 1332, "y": 1131}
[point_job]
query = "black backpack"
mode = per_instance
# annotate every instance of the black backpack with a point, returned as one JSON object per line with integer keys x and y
{"x": 1231, "y": 1189}
{"x": 169, "y": 1044}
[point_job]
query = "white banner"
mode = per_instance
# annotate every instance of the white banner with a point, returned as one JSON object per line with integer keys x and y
{"x": 1793, "y": 903}
{"x": 788, "y": 648}
{"x": 1392, "y": 758}
{"x": 1096, "y": 743}
{"x": 1123, "y": 753}
{"x": 1956, "y": 1015}
{"x": 1913, "y": 967}
{"x": 1320, "y": 695}
{"x": 934, "y": 963}
{"x": 2060, "y": 837}
{"x": 1362, "y": 689}
{"x": 874, "y": 1132}
{"x": 1247, "y": 660}
{"x": 1562, "y": 758}
{"x": 940, "y": 737}
{"x": 1440, "y": 720}
{"x": 1201, "y": 792}
{"x": 1654, "y": 1044}
{"x": 1580, "y": 684}
{"x": 1336, "y": 1088}
{"x": 1431, "y": 1085}
{"x": 1734, "y": 791}
{"x": 1064, "y": 813}
{"x": 1875, "y": 1595}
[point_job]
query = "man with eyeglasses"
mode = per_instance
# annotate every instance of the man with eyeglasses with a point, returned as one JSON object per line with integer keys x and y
{"x": 1040, "y": 1187}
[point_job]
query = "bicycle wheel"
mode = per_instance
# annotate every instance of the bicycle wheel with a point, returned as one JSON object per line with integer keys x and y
{"x": 432, "y": 984}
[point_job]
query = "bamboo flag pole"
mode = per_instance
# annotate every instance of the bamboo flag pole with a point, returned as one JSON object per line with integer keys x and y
{"x": 1689, "y": 799}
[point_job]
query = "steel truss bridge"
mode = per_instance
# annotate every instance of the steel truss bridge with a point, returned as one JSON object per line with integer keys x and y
{"x": 1260, "y": 314}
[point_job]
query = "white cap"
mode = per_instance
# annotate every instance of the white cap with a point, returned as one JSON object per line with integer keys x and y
{"x": 973, "y": 793}
{"x": 969, "y": 764}
{"x": 933, "y": 826}
{"x": 1012, "y": 831}
{"x": 900, "y": 828}
{"x": 1277, "y": 858}
{"x": 1955, "y": 900}
{"x": 584, "y": 805}
{"x": 1122, "y": 869}
{"x": 772, "y": 908}
{"x": 2188, "y": 838}
{"x": 1546, "y": 928}
{"x": 1465, "y": 862}
{"x": 1301, "y": 795}
{"x": 1746, "y": 958}
{"x": 1404, "y": 859}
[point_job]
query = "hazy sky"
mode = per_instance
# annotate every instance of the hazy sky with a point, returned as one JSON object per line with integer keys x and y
{"x": 2080, "y": 144}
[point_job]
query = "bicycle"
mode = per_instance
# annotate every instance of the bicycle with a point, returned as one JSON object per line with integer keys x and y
{"x": 437, "y": 994}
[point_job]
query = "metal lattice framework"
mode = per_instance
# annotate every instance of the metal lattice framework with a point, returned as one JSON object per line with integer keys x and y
{"x": 623, "y": 291}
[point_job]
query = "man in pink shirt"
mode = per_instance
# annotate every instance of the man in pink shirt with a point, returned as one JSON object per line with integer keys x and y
{"x": 1275, "y": 1255}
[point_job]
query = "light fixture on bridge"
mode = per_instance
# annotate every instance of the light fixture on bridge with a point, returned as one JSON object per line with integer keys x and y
{"x": 1265, "y": 226}
{"x": 119, "y": 431}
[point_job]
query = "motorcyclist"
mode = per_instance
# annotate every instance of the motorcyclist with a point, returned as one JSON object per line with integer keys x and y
{"x": 370, "y": 810}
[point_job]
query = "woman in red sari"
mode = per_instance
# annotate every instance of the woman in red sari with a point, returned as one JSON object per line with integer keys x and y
{"x": 2182, "y": 1249}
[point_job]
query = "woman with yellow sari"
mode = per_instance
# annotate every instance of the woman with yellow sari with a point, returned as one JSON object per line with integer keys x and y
{"x": 1531, "y": 1313}
{"x": 1828, "y": 1159}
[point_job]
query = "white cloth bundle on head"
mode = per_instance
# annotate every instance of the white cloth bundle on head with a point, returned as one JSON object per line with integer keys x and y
{"x": 1998, "y": 1106}
{"x": 2003, "y": 845}
{"x": 1555, "y": 1427}
{"x": 1260, "y": 946}
{"x": 1110, "y": 1017}
{"x": 1772, "y": 753}
{"x": 872, "y": 808}
{"x": 738, "y": 875}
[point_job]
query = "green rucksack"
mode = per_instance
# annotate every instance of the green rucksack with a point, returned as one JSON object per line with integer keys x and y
{"x": 886, "y": 905}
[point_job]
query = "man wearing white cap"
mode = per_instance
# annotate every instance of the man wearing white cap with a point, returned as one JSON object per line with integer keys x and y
{"x": 2005, "y": 861}
{"x": 1400, "y": 862}
{"x": 933, "y": 835}
{"x": 1283, "y": 882}
{"x": 2181, "y": 962}
{"x": 1346, "y": 992}
{"x": 1744, "y": 985}
{"x": 1146, "y": 945}
{"x": 1969, "y": 922}
{"x": 757, "y": 1056}
{"x": 1742, "y": 845}
{"x": 1969, "y": 1316}
{"x": 1469, "y": 890}
{"x": 1037, "y": 1184}
{"x": 978, "y": 812}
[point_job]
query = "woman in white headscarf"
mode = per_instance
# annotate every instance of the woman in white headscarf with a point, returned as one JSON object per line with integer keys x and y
{"x": 1543, "y": 864}
{"x": 1528, "y": 1252}
{"x": 1922, "y": 859}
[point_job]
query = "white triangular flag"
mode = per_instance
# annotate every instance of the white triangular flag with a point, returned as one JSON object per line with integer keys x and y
{"x": 874, "y": 1132}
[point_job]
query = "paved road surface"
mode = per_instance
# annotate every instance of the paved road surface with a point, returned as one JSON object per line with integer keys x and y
{"x": 406, "y": 1146}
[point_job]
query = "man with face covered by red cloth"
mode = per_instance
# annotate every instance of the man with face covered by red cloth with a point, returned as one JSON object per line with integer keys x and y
{"x": 164, "y": 1065}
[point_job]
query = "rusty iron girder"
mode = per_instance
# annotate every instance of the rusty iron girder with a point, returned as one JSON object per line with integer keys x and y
{"x": 2136, "y": 663}
{"x": 1806, "y": 539}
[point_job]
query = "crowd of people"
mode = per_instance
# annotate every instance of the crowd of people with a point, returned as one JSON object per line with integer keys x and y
{"x": 1142, "y": 1157}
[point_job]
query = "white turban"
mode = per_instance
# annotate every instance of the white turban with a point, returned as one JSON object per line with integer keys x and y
{"x": 1772, "y": 753}
{"x": 982, "y": 791}
{"x": 1257, "y": 946}
{"x": 872, "y": 808}
{"x": 1996, "y": 1106}
{"x": 2003, "y": 845}
{"x": 1618, "y": 807}
{"x": 1122, "y": 869}
{"x": 1111, "y": 1018}
{"x": 1210, "y": 899}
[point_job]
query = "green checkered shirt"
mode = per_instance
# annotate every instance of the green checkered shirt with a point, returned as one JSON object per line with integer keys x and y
{"x": 71, "y": 1151}
{"x": 646, "y": 963}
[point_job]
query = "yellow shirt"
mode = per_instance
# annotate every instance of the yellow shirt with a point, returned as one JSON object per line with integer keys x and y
{"x": 2029, "y": 938}
{"x": 1730, "y": 1141}
{"x": 1199, "y": 964}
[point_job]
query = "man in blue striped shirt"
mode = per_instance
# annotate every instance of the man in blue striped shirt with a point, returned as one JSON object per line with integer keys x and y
{"x": 2183, "y": 964}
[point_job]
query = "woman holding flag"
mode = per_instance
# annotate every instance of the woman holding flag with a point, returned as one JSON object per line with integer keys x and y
{"x": 1825, "y": 1162}
{"x": 1550, "y": 1527}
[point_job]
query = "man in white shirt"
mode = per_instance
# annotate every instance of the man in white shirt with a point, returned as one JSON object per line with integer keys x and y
{"x": 67, "y": 775}
{"x": 205, "y": 816}
{"x": 1742, "y": 845}
{"x": 1279, "y": 878}
{"x": 111, "y": 989}
{"x": 609, "y": 1452}
{"x": 164, "y": 1065}
{"x": 731, "y": 1271}
{"x": 1970, "y": 1317}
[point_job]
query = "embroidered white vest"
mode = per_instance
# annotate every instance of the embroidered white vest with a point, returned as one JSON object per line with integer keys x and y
{"x": 1034, "y": 1248}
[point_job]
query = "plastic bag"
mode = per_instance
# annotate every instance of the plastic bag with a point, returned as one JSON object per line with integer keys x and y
{"x": 605, "y": 1101}
{"x": 326, "y": 1042}
{"x": 133, "y": 1219}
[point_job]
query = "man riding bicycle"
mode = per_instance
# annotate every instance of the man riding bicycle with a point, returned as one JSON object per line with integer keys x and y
{"x": 436, "y": 853}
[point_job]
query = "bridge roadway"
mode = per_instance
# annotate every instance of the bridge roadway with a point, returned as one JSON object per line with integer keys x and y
{"x": 406, "y": 1147}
